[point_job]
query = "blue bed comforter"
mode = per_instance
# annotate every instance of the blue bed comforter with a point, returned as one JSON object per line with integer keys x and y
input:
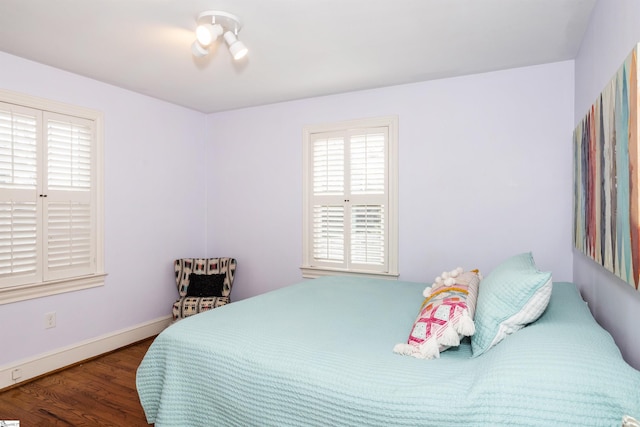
{"x": 320, "y": 353}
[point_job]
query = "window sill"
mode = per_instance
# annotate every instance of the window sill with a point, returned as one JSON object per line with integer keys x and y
{"x": 43, "y": 289}
{"x": 315, "y": 272}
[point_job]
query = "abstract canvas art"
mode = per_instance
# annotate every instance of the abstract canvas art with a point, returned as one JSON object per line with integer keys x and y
{"x": 606, "y": 177}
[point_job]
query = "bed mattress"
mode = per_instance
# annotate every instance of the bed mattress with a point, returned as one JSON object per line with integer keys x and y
{"x": 320, "y": 353}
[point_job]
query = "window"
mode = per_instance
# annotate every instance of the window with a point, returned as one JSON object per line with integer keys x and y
{"x": 50, "y": 198}
{"x": 350, "y": 198}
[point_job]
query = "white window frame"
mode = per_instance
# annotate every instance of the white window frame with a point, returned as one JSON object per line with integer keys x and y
{"x": 41, "y": 288}
{"x": 309, "y": 268}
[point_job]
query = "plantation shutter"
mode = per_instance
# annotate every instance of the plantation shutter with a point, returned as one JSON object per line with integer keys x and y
{"x": 20, "y": 228}
{"x": 349, "y": 199}
{"x": 68, "y": 207}
{"x": 368, "y": 198}
{"x": 47, "y": 213}
{"x": 51, "y": 219}
{"x": 328, "y": 200}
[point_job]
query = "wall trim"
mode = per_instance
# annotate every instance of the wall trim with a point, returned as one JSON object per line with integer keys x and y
{"x": 66, "y": 356}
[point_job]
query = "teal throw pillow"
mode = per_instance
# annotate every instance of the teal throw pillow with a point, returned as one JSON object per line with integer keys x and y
{"x": 513, "y": 295}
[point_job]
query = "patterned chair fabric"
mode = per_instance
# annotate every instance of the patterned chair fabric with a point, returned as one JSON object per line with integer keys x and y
{"x": 188, "y": 305}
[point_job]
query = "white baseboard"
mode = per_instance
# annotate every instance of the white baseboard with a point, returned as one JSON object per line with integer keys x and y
{"x": 59, "y": 358}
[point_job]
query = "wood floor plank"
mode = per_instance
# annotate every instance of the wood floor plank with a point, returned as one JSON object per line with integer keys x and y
{"x": 100, "y": 392}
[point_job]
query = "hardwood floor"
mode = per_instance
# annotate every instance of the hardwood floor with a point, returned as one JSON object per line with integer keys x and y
{"x": 100, "y": 392}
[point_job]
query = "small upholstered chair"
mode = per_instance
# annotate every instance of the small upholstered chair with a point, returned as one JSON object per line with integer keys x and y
{"x": 203, "y": 284}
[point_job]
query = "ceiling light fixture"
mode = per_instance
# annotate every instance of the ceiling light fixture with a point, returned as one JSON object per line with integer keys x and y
{"x": 211, "y": 25}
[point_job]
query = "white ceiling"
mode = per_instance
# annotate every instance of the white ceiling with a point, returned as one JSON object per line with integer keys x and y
{"x": 297, "y": 48}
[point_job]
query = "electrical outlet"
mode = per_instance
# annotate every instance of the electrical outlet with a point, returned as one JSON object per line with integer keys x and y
{"x": 50, "y": 320}
{"x": 16, "y": 374}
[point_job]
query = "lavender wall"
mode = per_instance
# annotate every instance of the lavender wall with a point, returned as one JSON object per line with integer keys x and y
{"x": 612, "y": 33}
{"x": 154, "y": 212}
{"x": 485, "y": 173}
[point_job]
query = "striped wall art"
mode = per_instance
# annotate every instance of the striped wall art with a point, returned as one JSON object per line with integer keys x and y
{"x": 606, "y": 211}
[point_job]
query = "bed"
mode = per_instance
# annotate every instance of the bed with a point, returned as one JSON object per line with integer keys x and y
{"x": 320, "y": 353}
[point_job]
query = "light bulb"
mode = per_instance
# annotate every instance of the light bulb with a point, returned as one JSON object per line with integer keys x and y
{"x": 197, "y": 50}
{"x": 208, "y": 33}
{"x": 236, "y": 47}
{"x": 238, "y": 50}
